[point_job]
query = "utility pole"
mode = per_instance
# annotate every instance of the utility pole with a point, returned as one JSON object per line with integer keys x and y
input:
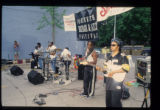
{"x": 114, "y": 26}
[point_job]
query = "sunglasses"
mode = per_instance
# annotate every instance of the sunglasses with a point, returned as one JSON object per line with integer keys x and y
{"x": 113, "y": 45}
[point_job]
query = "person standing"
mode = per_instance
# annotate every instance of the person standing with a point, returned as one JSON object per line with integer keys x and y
{"x": 90, "y": 73}
{"x": 52, "y": 51}
{"x": 66, "y": 56}
{"x": 16, "y": 50}
{"x": 40, "y": 53}
{"x": 116, "y": 66}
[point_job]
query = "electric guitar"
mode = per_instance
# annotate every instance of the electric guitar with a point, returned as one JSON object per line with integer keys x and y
{"x": 118, "y": 77}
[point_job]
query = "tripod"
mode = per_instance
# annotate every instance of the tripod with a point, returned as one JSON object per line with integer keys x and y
{"x": 146, "y": 86}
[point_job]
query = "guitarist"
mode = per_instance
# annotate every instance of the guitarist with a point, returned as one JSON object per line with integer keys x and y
{"x": 90, "y": 72}
{"x": 51, "y": 48}
{"x": 117, "y": 65}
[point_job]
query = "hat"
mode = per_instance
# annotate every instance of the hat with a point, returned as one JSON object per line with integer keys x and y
{"x": 118, "y": 41}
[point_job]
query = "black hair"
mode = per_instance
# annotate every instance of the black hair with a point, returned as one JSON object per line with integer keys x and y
{"x": 39, "y": 44}
{"x": 67, "y": 48}
{"x": 92, "y": 42}
{"x": 52, "y": 43}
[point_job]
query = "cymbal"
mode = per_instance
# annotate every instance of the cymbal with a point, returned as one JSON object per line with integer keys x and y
{"x": 45, "y": 52}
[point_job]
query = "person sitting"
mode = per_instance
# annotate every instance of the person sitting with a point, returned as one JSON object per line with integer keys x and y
{"x": 66, "y": 56}
{"x": 34, "y": 57}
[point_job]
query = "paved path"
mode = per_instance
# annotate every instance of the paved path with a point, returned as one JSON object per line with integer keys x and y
{"x": 18, "y": 91}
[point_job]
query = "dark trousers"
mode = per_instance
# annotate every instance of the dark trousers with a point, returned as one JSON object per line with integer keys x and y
{"x": 113, "y": 98}
{"x": 67, "y": 63}
{"x": 89, "y": 80}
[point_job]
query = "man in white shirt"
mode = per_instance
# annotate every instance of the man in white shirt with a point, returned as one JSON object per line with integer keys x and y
{"x": 66, "y": 56}
{"x": 51, "y": 49}
{"x": 90, "y": 73}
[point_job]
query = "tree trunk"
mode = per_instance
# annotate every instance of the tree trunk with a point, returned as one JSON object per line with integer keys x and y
{"x": 53, "y": 33}
{"x": 53, "y": 27}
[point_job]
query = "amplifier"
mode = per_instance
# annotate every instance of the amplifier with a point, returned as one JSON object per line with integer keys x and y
{"x": 143, "y": 69}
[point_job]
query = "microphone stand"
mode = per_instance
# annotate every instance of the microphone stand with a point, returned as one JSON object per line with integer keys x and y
{"x": 146, "y": 94}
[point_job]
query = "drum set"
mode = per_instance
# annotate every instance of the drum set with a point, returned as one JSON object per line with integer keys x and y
{"x": 47, "y": 60}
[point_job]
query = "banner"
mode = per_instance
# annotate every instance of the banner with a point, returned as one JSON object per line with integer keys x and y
{"x": 104, "y": 12}
{"x": 86, "y": 24}
{"x": 69, "y": 23}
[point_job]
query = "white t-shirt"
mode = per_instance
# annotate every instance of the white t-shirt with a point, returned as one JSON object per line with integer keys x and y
{"x": 35, "y": 51}
{"x": 40, "y": 50}
{"x": 51, "y": 49}
{"x": 65, "y": 54}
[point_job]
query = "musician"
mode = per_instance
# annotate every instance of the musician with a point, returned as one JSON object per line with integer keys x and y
{"x": 89, "y": 71}
{"x": 66, "y": 56}
{"x": 51, "y": 48}
{"x": 35, "y": 55}
{"x": 40, "y": 53}
{"x": 116, "y": 65}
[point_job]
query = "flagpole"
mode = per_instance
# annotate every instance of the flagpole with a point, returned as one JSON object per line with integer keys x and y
{"x": 114, "y": 26}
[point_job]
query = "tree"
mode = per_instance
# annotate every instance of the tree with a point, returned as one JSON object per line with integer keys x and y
{"x": 105, "y": 32}
{"x": 133, "y": 26}
{"x": 52, "y": 18}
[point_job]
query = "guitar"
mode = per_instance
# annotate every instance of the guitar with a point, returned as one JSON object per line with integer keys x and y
{"x": 118, "y": 77}
{"x": 52, "y": 53}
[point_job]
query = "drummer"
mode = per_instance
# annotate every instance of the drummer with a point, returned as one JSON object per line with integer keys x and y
{"x": 51, "y": 49}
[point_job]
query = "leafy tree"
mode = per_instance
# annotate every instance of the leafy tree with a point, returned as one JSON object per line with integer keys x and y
{"x": 105, "y": 31}
{"x": 52, "y": 18}
{"x": 132, "y": 27}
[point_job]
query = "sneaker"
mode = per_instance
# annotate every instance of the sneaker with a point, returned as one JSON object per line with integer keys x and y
{"x": 90, "y": 96}
{"x": 83, "y": 94}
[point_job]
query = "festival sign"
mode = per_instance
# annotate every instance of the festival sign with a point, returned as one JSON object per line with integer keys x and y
{"x": 86, "y": 24}
{"x": 69, "y": 23}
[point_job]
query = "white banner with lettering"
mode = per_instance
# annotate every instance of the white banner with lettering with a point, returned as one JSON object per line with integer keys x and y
{"x": 104, "y": 12}
{"x": 69, "y": 23}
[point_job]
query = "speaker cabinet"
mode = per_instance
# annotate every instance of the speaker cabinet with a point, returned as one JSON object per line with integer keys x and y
{"x": 35, "y": 78}
{"x": 15, "y": 70}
